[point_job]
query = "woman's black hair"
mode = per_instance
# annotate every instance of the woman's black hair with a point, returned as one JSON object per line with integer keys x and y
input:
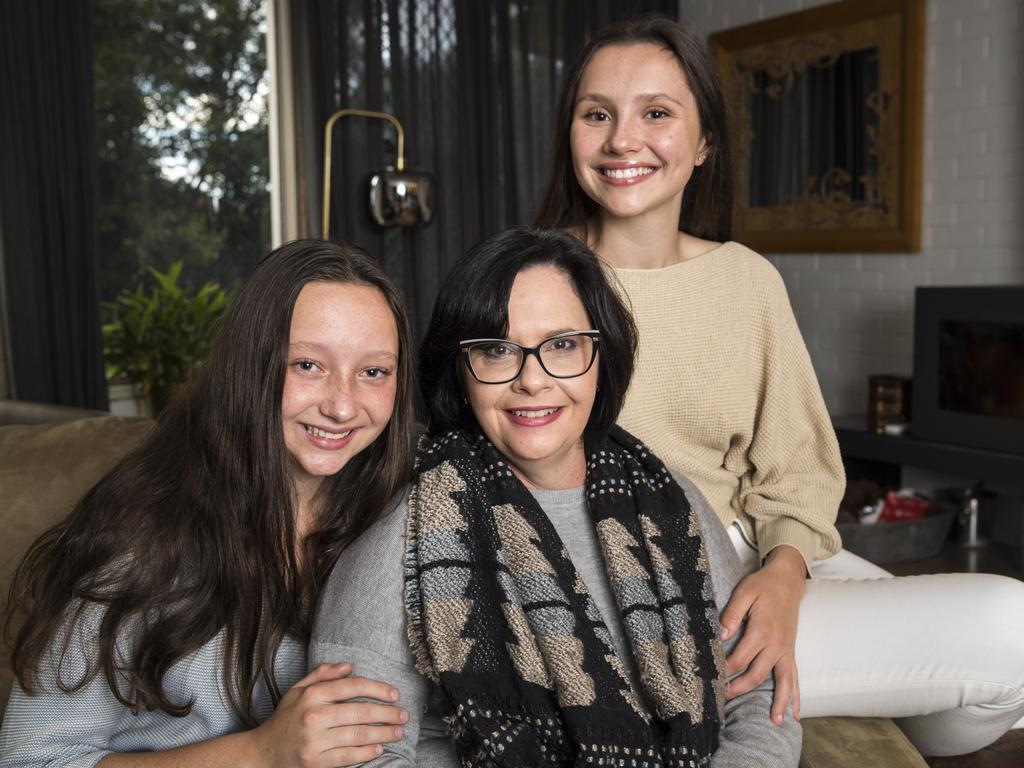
{"x": 473, "y": 303}
{"x": 707, "y": 202}
{"x": 194, "y": 532}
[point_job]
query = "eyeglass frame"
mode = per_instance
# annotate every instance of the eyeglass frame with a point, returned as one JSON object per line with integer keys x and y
{"x": 593, "y": 334}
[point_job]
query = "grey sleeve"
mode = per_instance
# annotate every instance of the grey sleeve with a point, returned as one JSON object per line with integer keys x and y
{"x": 52, "y": 727}
{"x": 749, "y": 737}
{"x": 361, "y": 619}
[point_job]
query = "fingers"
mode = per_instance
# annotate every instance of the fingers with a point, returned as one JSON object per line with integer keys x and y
{"x": 756, "y": 674}
{"x": 351, "y": 745}
{"x": 795, "y": 689}
{"x": 365, "y": 735}
{"x": 343, "y": 756}
{"x": 354, "y": 687}
{"x": 326, "y": 672}
{"x": 754, "y": 642}
{"x": 362, "y": 712}
{"x": 787, "y": 687}
{"x": 734, "y": 613}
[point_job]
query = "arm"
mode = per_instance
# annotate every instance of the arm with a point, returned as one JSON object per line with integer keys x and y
{"x": 790, "y": 492}
{"x": 769, "y": 601}
{"x": 90, "y": 726}
{"x": 309, "y": 727}
{"x": 361, "y": 618}
{"x": 794, "y": 481}
{"x": 749, "y": 736}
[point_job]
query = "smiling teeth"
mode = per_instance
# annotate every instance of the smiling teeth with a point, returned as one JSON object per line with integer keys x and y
{"x": 626, "y": 173}
{"x": 534, "y": 414}
{"x": 317, "y": 432}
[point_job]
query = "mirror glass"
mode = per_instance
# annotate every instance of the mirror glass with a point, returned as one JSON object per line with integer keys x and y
{"x": 790, "y": 157}
{"x": 825, "y": 110}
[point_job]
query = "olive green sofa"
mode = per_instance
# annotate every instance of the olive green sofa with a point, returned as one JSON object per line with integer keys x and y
{"x": 51, "y": 455}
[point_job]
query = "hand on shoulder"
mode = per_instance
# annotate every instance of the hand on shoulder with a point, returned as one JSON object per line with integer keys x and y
{"x": 769, "y": 601}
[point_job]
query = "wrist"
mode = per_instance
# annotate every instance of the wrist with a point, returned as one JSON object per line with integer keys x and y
{"x": 788, "y": 562}
{"x": 249, "y": 748}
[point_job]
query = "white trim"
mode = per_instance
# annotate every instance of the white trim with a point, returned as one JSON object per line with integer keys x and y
{"x": 284, "y": 197}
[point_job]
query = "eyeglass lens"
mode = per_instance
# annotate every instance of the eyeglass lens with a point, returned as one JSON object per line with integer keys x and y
{"x": 562, "y": 356}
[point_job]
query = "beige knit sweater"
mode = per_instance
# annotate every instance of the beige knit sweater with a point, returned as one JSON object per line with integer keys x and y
{"x": 724, "y": 392}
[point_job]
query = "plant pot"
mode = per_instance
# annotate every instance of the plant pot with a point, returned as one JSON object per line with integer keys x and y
{"x": 128, "y": 400}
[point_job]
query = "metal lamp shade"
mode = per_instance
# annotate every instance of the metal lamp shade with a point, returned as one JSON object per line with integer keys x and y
{"x": 401, "y": 198}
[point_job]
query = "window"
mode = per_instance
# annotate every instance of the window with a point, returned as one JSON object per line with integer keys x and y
{"x": 181, "y": 127}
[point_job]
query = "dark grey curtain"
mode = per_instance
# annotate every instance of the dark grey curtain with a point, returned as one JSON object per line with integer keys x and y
{"x": 473, "y": 83}
{"x": 47, "y": 202}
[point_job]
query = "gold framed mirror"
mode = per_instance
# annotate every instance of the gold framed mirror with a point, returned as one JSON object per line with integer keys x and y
{"x": 826, "y": 108}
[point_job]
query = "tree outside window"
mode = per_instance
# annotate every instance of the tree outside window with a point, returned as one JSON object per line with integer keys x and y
{"x": 181, "y": 123}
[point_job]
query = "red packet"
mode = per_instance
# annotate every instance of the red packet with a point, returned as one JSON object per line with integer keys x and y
{"x": 903, "y": 508}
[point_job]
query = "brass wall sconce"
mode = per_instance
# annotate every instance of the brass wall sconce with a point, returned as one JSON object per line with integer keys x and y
{"x": 398, "y": 198}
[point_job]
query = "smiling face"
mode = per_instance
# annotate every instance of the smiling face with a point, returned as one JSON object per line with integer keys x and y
{"x": 635, "y": 134}
{"x": 339, "y": 389}
{"x": 536, "y": 421}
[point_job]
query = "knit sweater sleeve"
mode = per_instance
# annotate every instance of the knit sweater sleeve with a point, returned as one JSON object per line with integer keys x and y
{"x": 794, "y": 478}
{"x": 361, "y": 619}
{"x": 53, "y": 727}
{"x": 748, "y": 737}
{"x": 725, "y": 393}
{"x": 56, "y": 727}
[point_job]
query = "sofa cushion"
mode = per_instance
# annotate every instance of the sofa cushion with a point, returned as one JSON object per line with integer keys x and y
{"x": 44, "y": 470}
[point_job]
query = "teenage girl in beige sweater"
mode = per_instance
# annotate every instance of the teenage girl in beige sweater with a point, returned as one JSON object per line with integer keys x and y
{"x": 725, "y": 393}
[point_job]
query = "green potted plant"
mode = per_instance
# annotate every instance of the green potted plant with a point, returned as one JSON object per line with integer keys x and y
{"x": 155, "y": 338}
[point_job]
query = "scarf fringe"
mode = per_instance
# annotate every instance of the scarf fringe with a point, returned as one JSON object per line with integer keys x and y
{"x": 414, "y": 630}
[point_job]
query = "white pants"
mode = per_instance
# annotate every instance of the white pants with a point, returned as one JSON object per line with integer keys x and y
{"x": 944, "y": 654}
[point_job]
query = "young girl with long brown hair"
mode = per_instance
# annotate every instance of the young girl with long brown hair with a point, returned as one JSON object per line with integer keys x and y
{"x": 165, "y": 621}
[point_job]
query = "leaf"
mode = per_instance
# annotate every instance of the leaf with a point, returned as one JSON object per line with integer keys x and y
{"x": 157, "y": 339}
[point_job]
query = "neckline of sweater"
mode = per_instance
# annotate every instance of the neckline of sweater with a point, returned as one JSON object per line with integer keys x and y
{"x": 679, "y": 265}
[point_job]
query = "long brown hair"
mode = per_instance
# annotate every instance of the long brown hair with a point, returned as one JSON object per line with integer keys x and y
{"x": 707, "y": 203}
{"x": 193, "y": 533}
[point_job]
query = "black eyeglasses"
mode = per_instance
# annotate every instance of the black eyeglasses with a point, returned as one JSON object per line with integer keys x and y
{"x": 499, "y": 361}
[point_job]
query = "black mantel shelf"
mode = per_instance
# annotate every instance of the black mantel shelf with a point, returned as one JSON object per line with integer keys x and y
{"x": 855, "y": 441}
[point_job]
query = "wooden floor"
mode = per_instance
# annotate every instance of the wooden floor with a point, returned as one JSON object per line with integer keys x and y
{"x": 1008, "y": 752}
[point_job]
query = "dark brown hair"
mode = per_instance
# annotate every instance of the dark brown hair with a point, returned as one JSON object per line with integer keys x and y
{"x": 473, "y": 303}
{"x": 707, "y": 202}
{"x": 193, "y": 533}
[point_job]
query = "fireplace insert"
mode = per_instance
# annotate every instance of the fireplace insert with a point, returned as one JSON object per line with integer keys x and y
{"x": 969, "y": 366}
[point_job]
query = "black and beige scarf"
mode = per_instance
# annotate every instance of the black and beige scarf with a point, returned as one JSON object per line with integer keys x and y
{"x": 499, "y": 618}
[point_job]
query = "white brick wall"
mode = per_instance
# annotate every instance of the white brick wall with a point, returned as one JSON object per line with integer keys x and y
{"x": 856, "y": 310}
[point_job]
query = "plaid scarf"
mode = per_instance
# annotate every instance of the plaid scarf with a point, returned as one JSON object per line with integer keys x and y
{"x": 501, "y": 621}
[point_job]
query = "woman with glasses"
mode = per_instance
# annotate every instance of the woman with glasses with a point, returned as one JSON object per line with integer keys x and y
{"x": 548, "y": 593}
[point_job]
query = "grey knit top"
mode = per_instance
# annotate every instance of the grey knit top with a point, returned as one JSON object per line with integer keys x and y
{"x": 362, "y": 620}
{"x": 55, "y": 728}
